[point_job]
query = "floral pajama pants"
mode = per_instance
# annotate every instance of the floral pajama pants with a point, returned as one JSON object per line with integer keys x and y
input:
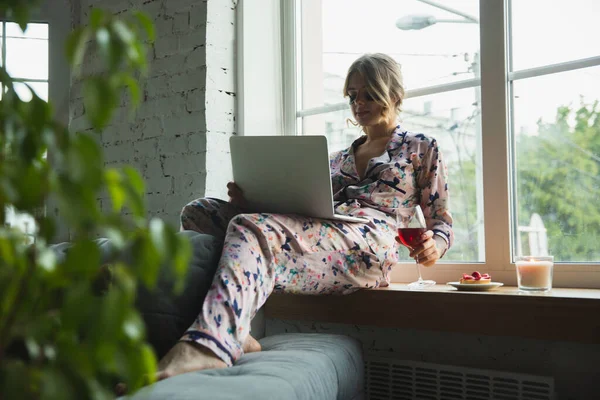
{"x": 263, "y": 253}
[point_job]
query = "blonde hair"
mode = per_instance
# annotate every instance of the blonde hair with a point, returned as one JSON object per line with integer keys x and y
{"x": 383, "y": 81}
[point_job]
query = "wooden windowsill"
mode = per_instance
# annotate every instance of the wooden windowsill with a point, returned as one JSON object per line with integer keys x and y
{"x": 561, "y": 314}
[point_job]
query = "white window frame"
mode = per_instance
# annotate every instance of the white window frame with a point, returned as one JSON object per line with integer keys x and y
{"x": 496, "y": 106}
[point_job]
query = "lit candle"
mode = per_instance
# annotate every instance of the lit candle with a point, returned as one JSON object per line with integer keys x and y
{"x": 534, "y": 273}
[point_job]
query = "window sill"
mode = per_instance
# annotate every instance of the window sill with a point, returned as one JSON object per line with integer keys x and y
{"x": 561, "y": 314}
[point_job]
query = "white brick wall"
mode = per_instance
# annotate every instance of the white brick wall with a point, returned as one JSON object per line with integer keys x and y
{"x": 179, "y": 137}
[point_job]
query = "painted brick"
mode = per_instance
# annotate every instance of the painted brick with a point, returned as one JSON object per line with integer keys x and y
{"x": 219, "y": 34}
{"x": 198, "y": 15}
{"x": 152, "y": 168}
{"x": 196, "y": 58}
{"x": 219, "y": 78}
{"x": 157, "y": 87}
{"x": 167, "y": 66}
{"x": 181, "y": 124}
{"x": 175, "y": 203}
{"x": 147, "y": 148}
{"x": 192, "y": 40}
{"x": 156, "y": 203}
{"x": 195, "y": 101}
{"x": 163, "y": 26}
{"x": 190, "y": 186}
{"x": 162, "y": 106}
{"x": 165, "y": 46}
{"x": 173, "y": 7}
{"x": 181, "y": 22}
{"x": 117, "y": 132}
{"x": 160, "y": 185}
{"x": 171, "y": 146}
{"x": 221, "y": 57}
{"x": 189, "y": 80}
{"x": 184, "y": 164}
{"x": 190, "y": 85}
{"x": 196, "y": 142}
{"x": 149, "y": 128}
{"x": 122, "y": 152}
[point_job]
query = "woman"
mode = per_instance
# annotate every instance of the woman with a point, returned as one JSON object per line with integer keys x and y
{"x": 385, "y": 169}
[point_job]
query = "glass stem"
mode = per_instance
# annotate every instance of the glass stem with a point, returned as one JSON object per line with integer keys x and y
{"x": 419, "y": 271}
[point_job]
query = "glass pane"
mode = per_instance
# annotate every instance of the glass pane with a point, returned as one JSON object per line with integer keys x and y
{"x": 27, "y": 58}
{"x": 548, "y": 32}
{"x": 442, "y": 52}
{"x": 335, "y": 125}
{"x": 557, "y": 156}
{"x": 40, "y": 88}
{"x": 25, "y": 223}
{"x": 33, "y": 31}
{"x": 453, "y": 119}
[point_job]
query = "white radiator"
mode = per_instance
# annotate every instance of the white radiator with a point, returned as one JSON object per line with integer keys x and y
{"x": 409, "y": 380}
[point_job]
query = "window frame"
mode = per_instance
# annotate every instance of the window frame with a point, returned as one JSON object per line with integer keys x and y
{"x": 496, "y": 81}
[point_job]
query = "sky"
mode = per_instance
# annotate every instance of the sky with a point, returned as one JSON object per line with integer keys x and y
{"x": 543, "y": 32}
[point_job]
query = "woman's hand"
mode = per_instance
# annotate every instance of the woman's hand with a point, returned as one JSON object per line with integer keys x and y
{"x": 426, "y": 253}
{"x": 236, "y": 196}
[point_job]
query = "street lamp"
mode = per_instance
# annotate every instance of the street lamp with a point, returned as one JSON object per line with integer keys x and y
{"x": 421, "y": 21}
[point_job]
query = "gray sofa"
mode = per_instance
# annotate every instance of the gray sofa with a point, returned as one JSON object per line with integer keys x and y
{"x": 291, "y": 366}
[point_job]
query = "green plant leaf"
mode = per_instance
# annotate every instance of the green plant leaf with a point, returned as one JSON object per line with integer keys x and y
{"x": 134, "y": 186}
{"x": 55, "y": 385}
{"x": 134, "y": 90}
{"x": 100, "y": 99}
{"x": 75, "y": 47}
{"x": 147, "y": 24}
{"x": 115, "y": 188}
{"x": 96, "y": 18}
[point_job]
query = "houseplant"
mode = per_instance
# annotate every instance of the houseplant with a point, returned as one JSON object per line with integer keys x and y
{"x": 60, "y": 338}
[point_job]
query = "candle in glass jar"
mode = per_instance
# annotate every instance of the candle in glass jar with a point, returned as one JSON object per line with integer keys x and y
{"x": 534, "y": 273}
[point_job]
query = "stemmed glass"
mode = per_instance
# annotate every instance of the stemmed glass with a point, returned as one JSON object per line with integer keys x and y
{"x": 410, "y": 223}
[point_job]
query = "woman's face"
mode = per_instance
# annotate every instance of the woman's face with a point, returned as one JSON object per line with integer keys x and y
{"x": 365, "y": 111}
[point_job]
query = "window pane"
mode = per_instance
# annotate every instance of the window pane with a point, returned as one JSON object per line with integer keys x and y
{"x": 40, "y": 88}
{"x": 27, "y": 58}
{"x": 557, "y": 156}
{"x": 443, "y": 52}
{"x": 548, "y": 32}
{"x": 335, "y": 125}
{"x": 453, "y": 119}
{"x": 33, "y": 31}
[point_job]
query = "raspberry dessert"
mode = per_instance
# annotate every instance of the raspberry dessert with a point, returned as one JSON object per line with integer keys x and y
{"x": 476, "y": 278}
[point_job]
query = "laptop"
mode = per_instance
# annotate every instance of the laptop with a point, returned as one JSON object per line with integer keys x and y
{"x": 285, "y": 175}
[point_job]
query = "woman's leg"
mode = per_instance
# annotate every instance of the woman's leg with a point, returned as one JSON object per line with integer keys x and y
{"x": 207, "y": 215}
{"x": 263, "y": 252}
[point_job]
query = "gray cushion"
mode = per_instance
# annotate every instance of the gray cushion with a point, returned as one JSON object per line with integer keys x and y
{"x": 165, "y": 314}
{"x": 292, "y": 366}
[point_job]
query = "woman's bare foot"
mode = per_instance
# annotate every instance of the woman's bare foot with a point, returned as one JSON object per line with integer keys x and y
{"x": 251, "y": 345}
{"x": 187, "y": 357}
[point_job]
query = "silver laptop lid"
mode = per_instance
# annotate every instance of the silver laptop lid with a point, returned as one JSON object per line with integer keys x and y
{"x": 284, "y": 174}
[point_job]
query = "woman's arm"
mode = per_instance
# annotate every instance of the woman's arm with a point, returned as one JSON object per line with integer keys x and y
{"x": 432, "y": 180}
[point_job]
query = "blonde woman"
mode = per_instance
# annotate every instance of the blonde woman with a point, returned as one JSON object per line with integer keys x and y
{"x": 384, "y": 169}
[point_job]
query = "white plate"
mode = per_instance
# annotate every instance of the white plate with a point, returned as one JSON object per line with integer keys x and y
{"x": 476, "y": 287}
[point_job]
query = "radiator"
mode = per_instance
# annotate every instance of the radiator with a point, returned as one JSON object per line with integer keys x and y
{"x": 410, "y": 380}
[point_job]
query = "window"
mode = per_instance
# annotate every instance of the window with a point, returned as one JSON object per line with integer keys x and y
{"x": 438, "y": 50}
{"x": 25, "y": 56}
{"x": 554, "y": 94}
{"x": 510, "y": 89}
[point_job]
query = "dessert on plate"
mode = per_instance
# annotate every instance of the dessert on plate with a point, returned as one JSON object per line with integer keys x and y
{"x": 476, "y": 278}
